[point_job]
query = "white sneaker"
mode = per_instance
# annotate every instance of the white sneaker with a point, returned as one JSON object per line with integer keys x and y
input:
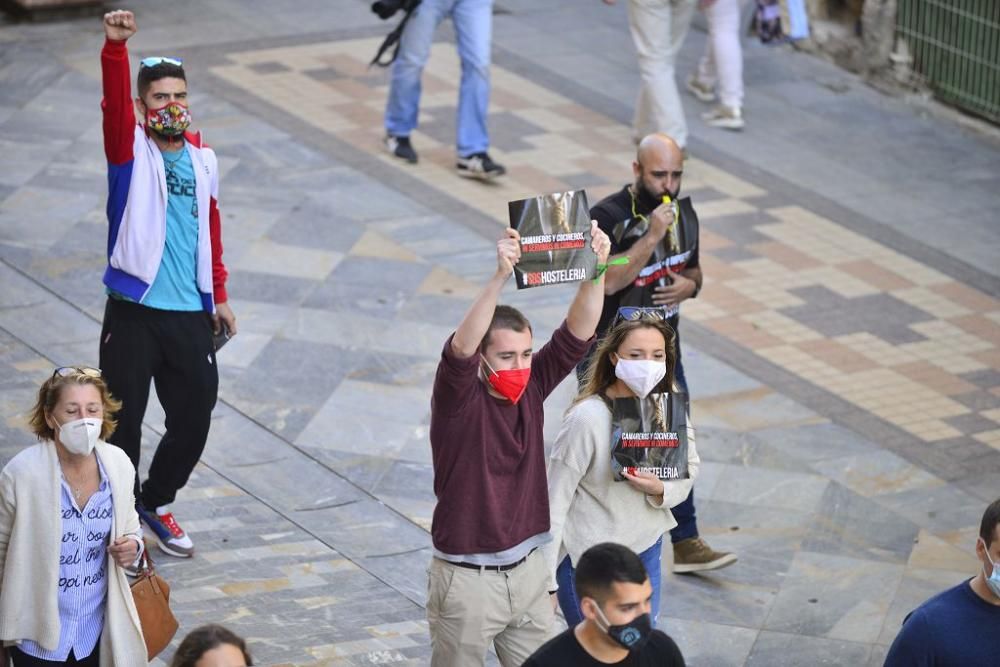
{"x": 701, "y": 90}
{"x": 479, "y": 165}
{"x": 170, "y": 537}
{"x": 729, "y": 118}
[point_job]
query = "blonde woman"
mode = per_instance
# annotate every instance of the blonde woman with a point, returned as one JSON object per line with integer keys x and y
{"x": 587, "y": 507}
{"x": 68, "y": 528}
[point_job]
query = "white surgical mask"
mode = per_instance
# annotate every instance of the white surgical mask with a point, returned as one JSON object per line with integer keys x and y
{"x": 80, "y": 436}
{"x": 993, "y": 580}
{"x": 641, "y": 375}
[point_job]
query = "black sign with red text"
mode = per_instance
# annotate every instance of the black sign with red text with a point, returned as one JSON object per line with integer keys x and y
{"x": 650, "y": 435}
{"x": 555, "y": 239}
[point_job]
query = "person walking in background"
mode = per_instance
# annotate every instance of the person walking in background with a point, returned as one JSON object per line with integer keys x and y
{"x": 721, "y": 66}
{"x": 658, "y": 30}
{"x": 473, "y": 21}
{"x": 165, "y": 279}
{"x": 68, "y": 530}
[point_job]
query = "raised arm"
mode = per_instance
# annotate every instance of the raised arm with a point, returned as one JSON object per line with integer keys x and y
{"x": 119, "y": 116}
{"x": 585, "y": 311}
{"x": 470, "y": 332}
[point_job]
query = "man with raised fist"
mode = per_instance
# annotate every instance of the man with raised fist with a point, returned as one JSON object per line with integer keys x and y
{"x": 165, "y": 279}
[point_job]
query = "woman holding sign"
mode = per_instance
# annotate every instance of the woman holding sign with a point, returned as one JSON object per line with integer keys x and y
{"x": 68, "y": 528}
{"x": 624, "y": 456}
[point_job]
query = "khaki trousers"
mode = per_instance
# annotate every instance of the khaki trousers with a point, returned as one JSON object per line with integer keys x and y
{"x": 658, "y": 29}
{"x": 468, "y": 609}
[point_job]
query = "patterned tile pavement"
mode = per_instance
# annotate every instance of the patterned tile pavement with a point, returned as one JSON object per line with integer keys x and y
{"x": 878, "y": 329}
{"x": 311, "y": 506}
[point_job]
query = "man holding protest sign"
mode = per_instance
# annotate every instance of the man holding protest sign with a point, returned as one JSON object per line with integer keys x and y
{"x": 487, "y": 580}
{"x": 658, "y": 235}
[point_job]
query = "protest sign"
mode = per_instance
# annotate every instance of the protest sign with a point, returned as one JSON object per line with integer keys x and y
{"x": 555, "y": 239}
{"x": 650, "y": 435}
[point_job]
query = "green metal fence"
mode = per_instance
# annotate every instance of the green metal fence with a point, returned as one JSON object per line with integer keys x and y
{"x": 955, "y": 46}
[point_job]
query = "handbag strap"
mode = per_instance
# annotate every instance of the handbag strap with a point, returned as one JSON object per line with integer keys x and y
{"x": 146, "y": 566}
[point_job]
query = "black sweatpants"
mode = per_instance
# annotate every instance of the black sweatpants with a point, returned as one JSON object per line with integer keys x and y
{"x": 173, "y": 349}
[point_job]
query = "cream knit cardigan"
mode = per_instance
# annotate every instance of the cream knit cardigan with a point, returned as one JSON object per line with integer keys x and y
{"x": 30, "y": 529}
{"x": 586, "y": 505}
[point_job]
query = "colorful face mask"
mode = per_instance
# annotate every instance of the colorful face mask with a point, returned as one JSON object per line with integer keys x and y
{"x": 508, "y": 383}
{"x": 170, "y": 120}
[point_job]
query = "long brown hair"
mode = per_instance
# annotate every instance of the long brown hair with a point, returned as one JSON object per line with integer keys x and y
{"x": 601, "y": 372}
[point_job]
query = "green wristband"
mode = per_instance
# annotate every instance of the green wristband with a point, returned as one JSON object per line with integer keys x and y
{"x": 602, "y": 268}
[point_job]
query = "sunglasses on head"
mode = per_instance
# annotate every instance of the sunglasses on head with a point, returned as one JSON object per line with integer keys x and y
{"x": 632, "y": 313}
{"x": 153, "y": 61}
{"x": 68, "y": 371}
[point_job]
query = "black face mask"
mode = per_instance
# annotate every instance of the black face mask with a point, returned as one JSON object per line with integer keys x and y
{"x": 631, "y": 635}
{"x": 646, "y": 201}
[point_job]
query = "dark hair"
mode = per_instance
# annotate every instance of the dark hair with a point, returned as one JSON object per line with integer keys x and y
{"x": 604, "y": 564}
{"x": 505, "y": 317}
{"x": 147, "y": 75}
{"x": 202, "y": 640}
{"x": 991, "y": 519}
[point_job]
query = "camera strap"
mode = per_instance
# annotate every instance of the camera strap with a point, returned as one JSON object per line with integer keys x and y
{"x": 393, "y": 38}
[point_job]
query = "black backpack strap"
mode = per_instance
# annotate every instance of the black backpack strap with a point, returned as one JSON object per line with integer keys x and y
{"x": 393, "y": 39}
{"x": 617, "y": 212}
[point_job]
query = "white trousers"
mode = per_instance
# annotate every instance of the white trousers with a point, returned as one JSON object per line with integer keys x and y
{"x": 658, "y": 30}
{"x": 722, "y": 63}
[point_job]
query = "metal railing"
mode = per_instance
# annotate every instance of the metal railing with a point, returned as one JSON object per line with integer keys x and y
{"x": 955, "y": 46}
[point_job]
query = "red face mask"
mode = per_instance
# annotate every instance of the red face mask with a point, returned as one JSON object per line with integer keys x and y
{"x": 508, "y": 383}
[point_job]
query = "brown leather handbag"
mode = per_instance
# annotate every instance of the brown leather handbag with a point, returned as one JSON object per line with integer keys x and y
{"x": 152, "y": 600}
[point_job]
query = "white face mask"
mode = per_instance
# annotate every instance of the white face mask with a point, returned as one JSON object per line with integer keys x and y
{"x": 80, "y": 436}
{"x": 993, "y": 580}
{"x": 641, "y": 375}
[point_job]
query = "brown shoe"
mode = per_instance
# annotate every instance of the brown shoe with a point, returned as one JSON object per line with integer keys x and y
{"x": 694, "y": 555}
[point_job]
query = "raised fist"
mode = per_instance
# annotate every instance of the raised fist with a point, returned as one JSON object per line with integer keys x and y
{"x": 119, "y": 25}
{"x": 508, "y": 252}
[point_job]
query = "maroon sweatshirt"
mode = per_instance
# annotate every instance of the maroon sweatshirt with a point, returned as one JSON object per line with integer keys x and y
{"x": 489, "y": 455}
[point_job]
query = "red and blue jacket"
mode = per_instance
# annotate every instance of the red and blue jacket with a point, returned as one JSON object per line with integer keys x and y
{"x": 137, "y": 195}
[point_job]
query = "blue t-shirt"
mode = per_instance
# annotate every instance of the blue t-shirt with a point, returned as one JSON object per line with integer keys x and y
{"x": 176, "y": 283}
{"x": 956, "y": 628}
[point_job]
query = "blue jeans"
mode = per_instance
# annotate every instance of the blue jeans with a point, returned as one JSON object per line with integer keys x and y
{"x": 473, "y": 21}
{"x": 687, "y": 525}
{"x": 570, "y": 604}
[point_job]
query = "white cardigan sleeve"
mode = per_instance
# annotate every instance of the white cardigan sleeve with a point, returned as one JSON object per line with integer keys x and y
{"x": 6, "y": 517}
{"x": 571, "y": 457}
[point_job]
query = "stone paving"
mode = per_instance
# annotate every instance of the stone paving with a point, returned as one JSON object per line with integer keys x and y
{"x": 845, "y": 376}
